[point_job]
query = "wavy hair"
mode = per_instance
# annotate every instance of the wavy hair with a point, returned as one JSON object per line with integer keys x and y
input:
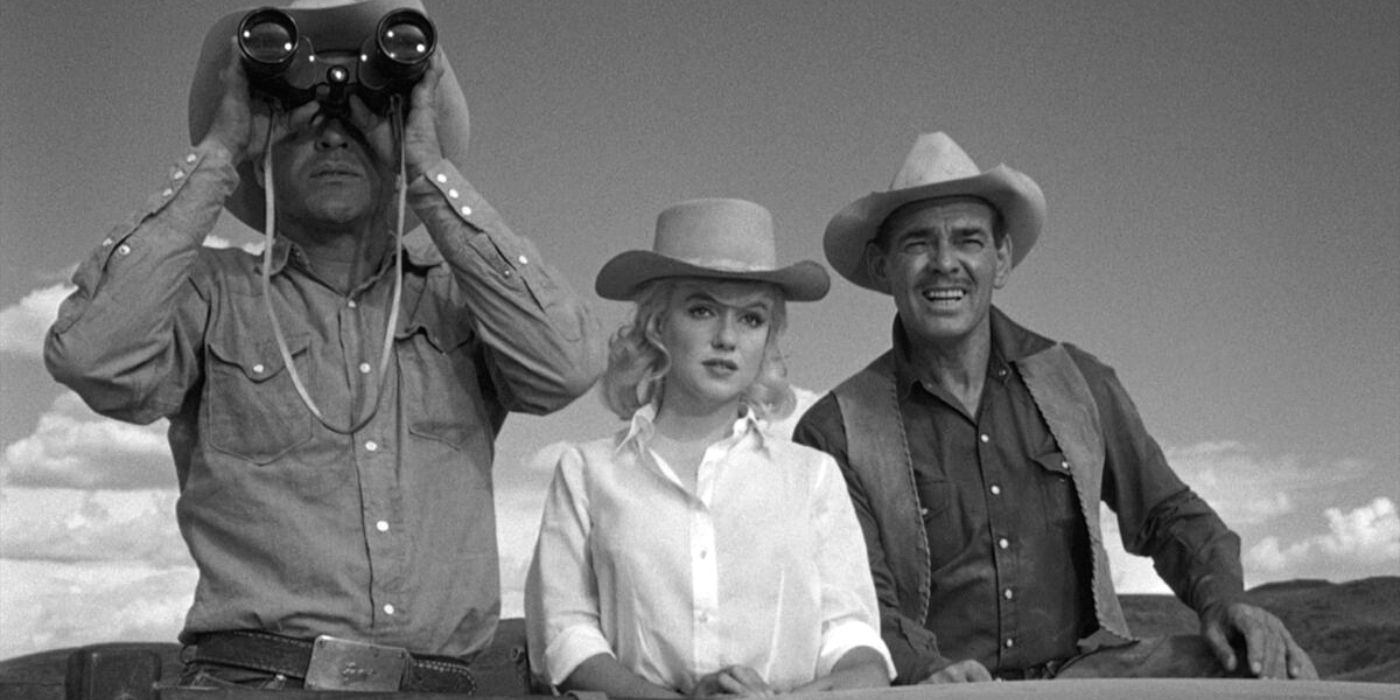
{"x": 638, "y": 361}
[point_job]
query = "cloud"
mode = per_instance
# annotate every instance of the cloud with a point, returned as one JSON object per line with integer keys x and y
{"x": 68, "y": 525}
{"x": 22, "y": 326}
{"x": 48, "y": 606}
{"x": 1367, "y": 536}
{"x": 1248, "y": 486}
{"x": 75, "y": 448}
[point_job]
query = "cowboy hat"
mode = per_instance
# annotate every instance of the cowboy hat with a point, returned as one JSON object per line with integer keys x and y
{"x": 727, "y": 239}
{"x": 935, "y": 167}
{"x": 331, "y": 28}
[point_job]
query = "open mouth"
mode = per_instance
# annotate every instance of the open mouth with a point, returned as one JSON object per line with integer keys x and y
{"x": 943, "y": 295}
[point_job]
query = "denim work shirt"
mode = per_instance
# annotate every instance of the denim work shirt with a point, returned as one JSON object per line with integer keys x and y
{"x": 1010, "y": 552}
{"x": 762, "y": 565}
{"x": 386, "y": 534}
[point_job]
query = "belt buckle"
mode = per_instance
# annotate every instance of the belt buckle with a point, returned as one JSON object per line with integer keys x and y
{"x": 345, "y": 664}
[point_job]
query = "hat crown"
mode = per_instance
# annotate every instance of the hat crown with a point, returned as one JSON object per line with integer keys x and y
{"x": 722, "y": 234}
{"x": 934, "y": 158}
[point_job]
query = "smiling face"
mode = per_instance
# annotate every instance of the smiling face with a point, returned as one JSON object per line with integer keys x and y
{"x": 941, "y": 262}
{"x": 716, "y": 334}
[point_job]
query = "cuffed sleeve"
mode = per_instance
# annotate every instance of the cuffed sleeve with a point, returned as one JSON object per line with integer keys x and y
{"x": 116, "y": 341}
{"x": 545, "y": 344}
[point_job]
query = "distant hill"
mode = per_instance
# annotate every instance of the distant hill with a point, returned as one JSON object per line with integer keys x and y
{"x": 1351, "y": 630}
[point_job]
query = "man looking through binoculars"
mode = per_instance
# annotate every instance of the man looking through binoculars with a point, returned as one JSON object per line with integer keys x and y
{"x": 333, "y": 402}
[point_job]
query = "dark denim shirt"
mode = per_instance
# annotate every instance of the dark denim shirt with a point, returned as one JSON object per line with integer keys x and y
{"x": 1047, "y": 551}
{"x": 386, "y": 534}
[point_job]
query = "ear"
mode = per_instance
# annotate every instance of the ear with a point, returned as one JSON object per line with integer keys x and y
{"x": 875, "y": 261}
{"x": 1003, "y": 264}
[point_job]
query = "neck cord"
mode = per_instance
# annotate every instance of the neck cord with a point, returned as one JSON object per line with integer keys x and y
{"x": 392, "y": 324}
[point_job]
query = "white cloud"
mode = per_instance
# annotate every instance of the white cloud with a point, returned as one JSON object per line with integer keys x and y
{"x": 68, "y": 525}
{"x": 1368, "y": 536}
{"x": 22, "y": 326}
{"x": 46, "y": 605}
{"x": 74, "y": 447}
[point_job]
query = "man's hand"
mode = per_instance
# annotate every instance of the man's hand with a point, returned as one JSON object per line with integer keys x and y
{"x": 240, "y": 125}
{"x": 734, "y": 680}
{"x": 421, "y": 147}
{"x": 967, "y": 671}
{"x": 1271, "y": 651}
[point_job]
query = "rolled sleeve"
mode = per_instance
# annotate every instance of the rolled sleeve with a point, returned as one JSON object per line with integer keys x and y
{"x": 850, "y": 612}
{"x": 561, "y": 603}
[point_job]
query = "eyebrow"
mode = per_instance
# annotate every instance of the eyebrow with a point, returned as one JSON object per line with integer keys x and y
{"x": 762, "y": 302}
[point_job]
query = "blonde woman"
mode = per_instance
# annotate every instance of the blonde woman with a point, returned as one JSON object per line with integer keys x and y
{"x": 692, "y": 553}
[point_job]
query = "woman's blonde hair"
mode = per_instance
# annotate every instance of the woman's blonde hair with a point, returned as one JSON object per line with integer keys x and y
{"x": 638, "y": 361}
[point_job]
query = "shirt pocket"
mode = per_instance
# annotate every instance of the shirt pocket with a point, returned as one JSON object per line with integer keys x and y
{"x": 253, "y": 411}
{"x": 442, "y": 381}
{"x": 1056, "y": 488}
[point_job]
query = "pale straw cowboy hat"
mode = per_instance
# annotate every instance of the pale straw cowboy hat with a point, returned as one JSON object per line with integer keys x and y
{"x": 332, "y": 27}
{"x": 935, "y": 167}
{"x": 721, "y": 239}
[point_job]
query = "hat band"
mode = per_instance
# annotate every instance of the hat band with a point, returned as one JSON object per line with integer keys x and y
{"x": 725, "y": 265}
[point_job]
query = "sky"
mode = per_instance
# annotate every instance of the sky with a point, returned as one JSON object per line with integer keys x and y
{"x": 1223, "y": 182}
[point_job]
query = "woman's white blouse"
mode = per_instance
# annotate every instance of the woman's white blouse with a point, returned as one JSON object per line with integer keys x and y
{"x": 763, "y": 566}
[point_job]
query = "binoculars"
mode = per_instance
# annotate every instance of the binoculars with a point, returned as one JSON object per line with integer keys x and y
{"x": 283, "y": 65}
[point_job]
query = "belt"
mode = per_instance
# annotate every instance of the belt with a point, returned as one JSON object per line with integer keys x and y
{"x": 332, "y": 663}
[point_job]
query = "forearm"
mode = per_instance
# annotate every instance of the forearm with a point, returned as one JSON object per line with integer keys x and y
{"x": 861, "y": 667}
{"x": 604, "y": 673}
{"x": 115, "y": 338}
{"x": 545, "y": 344}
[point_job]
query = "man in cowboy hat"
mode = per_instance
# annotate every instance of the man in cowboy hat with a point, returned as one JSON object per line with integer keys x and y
{"x": 976, "y": 453}
{"x": 332, "y": 404}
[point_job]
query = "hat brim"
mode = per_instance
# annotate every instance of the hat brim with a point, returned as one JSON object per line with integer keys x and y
{"x": 1018, "y": 199}
{"x": 620, "y": 278}
{"x": 247, "y": 201}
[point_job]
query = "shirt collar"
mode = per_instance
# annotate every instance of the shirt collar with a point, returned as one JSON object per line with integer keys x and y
{"x": 420, "y": 253}
{"x": 643, "y": 427}
{"x": 1010, "y": 343}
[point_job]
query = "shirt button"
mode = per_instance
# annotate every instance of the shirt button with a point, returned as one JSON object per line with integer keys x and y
{"x": 1009, "y": 595}
{"x": 364, "y": 368}
{"x": 190, "y": 158}
{"x": 351, "y": 303}
{"x": 258, "y": 369}
{"x": 1010, "y": 642}
{"x": 452, "y": 193}
{"x": 985, "y": 438}
{"x": 466, "y": 210}
{"x": 1003, "y": 543}
{"x": 371, "y": 445}
{"x": 441, "y": 178}
{"x": 107, "y": 242}
{"x": 167, "y": 192}
{"x": 382, "y": 526}
{"x": 389, "y": 610}
{"x": 523, "y": 260}
{"x": 1064, "y": 464}
{"x": 123, "y": 249}
{"x": 704, "y": 553}
{"x": 178, "y": 174}
{"x": 923, "y": 512}
{"x": 703, "y": 617}
{"x": 508, "y": 273}
{"x": 996, "y": 490}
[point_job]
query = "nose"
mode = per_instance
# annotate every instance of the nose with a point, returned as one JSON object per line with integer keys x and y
{"x": 332, "y": 135}
{"x": 724, "y": 338}
{"x": 944, "y": 257}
